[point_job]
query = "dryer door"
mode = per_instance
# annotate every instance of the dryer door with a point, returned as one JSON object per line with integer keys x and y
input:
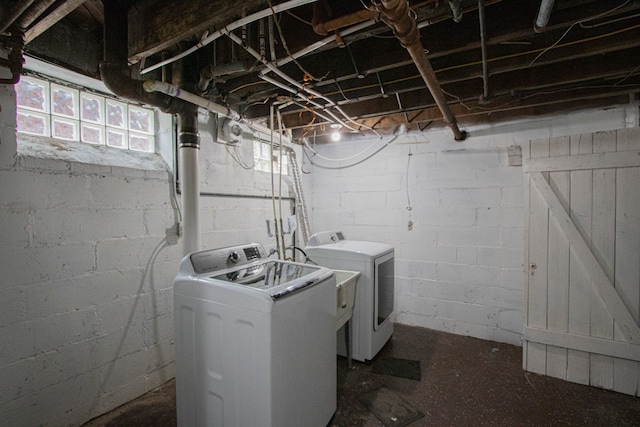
{"x": 383, "y": 289}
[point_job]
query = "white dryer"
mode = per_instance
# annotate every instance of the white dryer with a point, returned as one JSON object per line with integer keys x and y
{"x": 255, "y": 340}
{"x": 372, "y": 321}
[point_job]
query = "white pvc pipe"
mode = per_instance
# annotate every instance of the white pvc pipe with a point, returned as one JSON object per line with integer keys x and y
{"x": 176, "y": 92}
{"x": 237, "y": 24}
{"x": 324, "y": 42}
{"x": 543, "y": 14}
{"x": 190, "y": 184}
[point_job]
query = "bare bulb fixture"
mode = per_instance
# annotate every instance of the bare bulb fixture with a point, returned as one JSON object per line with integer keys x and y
{"x": 335, "y": 135}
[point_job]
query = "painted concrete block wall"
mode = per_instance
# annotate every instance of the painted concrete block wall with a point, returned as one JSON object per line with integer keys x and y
{"x": 452, "y": 210}
{"x": 236, "y": 201}
{"x": 85, "y": 294}
{"x": 88, "y": 261}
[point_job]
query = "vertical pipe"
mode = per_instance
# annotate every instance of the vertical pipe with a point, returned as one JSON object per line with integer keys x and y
{"x": 189, "y": 147}
{"x": 543, "y": 15}
{"x": 261, "y": 36}
{"x": 405, "y": 28}
{"x": 483, "y": 48}
{"x": 272, "y": 40}
{"x": 455, "y": 8}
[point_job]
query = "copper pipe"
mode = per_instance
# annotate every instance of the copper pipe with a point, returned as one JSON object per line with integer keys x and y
{"x": 396, "y": 13}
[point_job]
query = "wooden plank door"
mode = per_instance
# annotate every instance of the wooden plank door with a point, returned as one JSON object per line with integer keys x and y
{"x": 582, "y": 295}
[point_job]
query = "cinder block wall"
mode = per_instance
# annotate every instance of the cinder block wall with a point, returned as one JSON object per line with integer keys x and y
{"x": 86, "y": 317}
{"x": 86, "y": 294}
{"x": 452, "y": 210}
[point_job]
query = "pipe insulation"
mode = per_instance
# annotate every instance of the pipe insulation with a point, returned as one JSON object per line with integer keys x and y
{"x": 405, "y": 29}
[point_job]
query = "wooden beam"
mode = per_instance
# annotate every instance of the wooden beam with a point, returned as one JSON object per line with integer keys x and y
{"x": 62, "y": 10}
{"x": 584, "y": 161}
{"x": 601, "y": 346}
{"x": 157, "y": 26}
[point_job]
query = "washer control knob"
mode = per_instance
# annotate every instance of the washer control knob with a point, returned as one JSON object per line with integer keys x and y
{"x": 233, "y": 257}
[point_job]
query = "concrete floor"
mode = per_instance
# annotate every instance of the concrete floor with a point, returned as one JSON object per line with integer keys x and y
{"x": 465, "y": 382}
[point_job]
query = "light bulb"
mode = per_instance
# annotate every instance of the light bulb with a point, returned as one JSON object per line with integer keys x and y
{"x": 335, "y": 136}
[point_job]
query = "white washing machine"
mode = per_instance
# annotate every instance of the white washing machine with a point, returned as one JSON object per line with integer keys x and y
{"x": 372, "y": 324}
{"x": 255, "y": 340}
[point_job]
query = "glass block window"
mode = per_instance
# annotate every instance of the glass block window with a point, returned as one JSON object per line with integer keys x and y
{"x": 64, "y": 101}
{"x": 263, "y": 160}
{"x": 32, "y": 94}
{"x": 58, "y": 111}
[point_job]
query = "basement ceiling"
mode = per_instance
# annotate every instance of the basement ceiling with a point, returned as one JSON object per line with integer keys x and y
{"x": 349, "y": 66}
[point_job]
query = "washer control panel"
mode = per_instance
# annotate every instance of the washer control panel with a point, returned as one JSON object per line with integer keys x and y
{"x": 219, "y": 259}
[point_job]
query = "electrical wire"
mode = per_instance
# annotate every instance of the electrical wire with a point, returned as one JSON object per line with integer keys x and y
{"x": 494, "y": 59}
{"x": 407, "y": 179}
{"x": 286, "y": 46}
{"x": 380, "y": 147}
{"x": 577, "y": 23}
{"x": 261, "y": 82}
{"x": 304, "y": 21}
{"x": 236, "y": 157}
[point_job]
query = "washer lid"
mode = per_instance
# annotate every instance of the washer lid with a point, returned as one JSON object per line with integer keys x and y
{"x": 350, "y": 249}
{"x": 266, "y": 275}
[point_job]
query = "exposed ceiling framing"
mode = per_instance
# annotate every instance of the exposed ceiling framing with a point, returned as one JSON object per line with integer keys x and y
{"x": 588, "y": 55}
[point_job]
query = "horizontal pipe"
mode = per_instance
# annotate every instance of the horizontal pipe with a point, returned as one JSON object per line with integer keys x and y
{"x": 232, "y": 26}
{"x": 14, "y": 13}
{"x": 317, "y": 45}
{"x": 176, "y": 92}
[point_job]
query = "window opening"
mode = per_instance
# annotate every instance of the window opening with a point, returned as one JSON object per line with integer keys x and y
{"x": 58, "y": 111}
{"x": 263, "y": 160}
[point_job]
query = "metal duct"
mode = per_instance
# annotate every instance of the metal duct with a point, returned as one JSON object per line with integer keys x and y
{"x": 543, "y": 15}
{"x": 397, "y": 15}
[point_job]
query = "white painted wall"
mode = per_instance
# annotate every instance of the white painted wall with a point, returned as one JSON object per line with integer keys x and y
{"x": 86, "y": 298}
{"x": 459, "y": 268}
{"x": 86, "y": 316}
